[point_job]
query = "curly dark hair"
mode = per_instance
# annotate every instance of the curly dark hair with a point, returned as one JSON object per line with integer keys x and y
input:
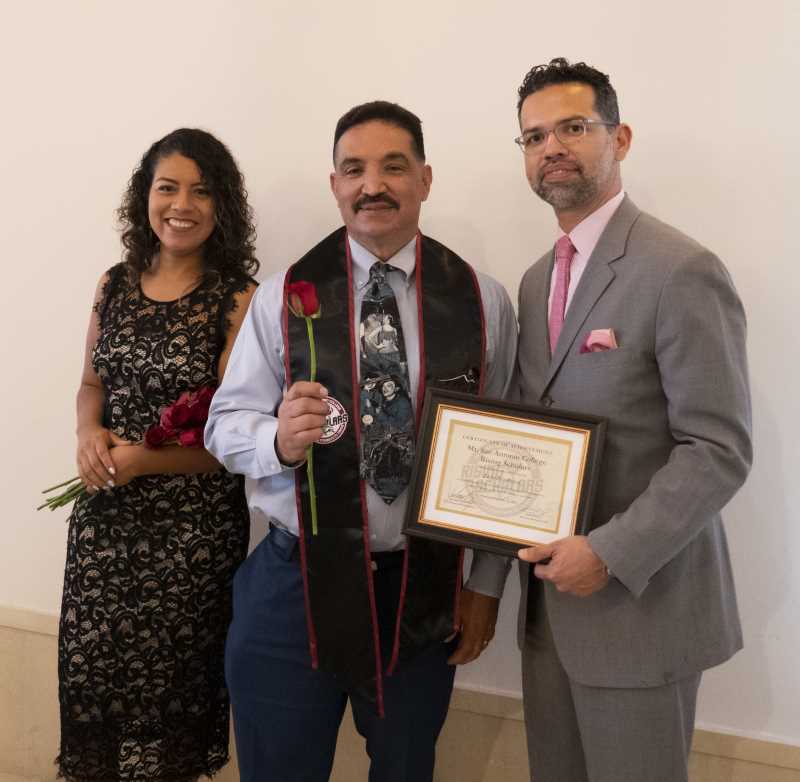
{"x": 560, "y": 71}
{"x": 385, "y": 111}
{"x": 231, "y": 247}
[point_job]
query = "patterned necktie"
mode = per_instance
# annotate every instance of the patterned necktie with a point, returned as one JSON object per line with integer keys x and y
{"x": 565, "y": 252}
{"x": 387, "y": 418}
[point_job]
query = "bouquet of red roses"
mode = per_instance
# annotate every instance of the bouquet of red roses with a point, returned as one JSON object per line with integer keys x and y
{"x": 181, "y": 423}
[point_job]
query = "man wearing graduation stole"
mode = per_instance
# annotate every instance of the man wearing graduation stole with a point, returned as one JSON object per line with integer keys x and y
{"x": 335, "y": 604}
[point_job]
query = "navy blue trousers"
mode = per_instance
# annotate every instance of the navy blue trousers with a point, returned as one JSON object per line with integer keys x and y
{"x": 286, "y": 715}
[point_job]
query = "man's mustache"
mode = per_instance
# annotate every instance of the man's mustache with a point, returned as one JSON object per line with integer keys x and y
{"x": 378, "y": 199}
{"x": 547, "y": 167}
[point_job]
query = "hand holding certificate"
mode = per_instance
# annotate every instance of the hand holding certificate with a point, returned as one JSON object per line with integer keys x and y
{"x": 499, "y": 476}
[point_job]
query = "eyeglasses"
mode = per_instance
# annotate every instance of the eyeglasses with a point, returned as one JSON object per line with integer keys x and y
{"x": 567, "y": 132}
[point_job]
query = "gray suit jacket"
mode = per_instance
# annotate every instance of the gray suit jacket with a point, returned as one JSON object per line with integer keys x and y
{"x": 676, "y": 396}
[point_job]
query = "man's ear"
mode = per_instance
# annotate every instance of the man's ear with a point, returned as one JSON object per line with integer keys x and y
{"x": 624, "y": 137}
{"x": 427, "y": 180}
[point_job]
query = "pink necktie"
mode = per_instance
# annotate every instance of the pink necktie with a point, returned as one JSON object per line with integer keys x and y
{"x": 565, "y": 252}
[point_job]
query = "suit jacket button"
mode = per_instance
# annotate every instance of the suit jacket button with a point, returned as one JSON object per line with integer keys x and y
{"x": 547, "y": 401}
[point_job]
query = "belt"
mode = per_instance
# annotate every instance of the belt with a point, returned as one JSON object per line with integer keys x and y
{"x": 286, "y": 543}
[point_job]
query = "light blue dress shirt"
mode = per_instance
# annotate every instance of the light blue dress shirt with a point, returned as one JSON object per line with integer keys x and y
{"x": 242, "y": 423}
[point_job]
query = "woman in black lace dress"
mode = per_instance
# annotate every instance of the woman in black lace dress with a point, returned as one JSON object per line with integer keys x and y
{"x": 152, "y": 549}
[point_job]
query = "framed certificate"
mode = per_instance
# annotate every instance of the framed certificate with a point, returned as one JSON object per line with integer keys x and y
{"x": 500, "y": 476}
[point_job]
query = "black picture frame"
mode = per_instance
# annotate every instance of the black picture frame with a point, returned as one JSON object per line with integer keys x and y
{"x": 491, "y": 468}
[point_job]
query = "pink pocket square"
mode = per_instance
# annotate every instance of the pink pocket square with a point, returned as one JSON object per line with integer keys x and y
{"x": 599, "y": 340}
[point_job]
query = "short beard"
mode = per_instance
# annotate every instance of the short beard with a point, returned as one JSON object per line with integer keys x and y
{"x": 568, "y": 196}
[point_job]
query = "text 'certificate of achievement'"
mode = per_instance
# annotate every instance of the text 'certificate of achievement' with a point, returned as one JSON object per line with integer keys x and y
{"x": 499, "y": 476}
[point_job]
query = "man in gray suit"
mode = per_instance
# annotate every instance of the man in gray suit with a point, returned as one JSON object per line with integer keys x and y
{"x": 631, "y": 320}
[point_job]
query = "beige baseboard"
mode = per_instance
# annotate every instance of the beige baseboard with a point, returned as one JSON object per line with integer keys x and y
{"x": 28, "y": 620}
{"x": 483, "y": 739}
{"x": 705, "y": 742}
{"x": 765, "y": 753}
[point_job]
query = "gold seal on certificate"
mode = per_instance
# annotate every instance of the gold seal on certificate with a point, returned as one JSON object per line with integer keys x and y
{"x": 494, "y": 475}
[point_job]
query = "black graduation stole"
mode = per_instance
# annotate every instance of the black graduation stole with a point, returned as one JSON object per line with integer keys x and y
{"x": 337, "y": 573}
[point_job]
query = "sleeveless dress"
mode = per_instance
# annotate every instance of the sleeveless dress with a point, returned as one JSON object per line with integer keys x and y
{"x": 147, "y": 584}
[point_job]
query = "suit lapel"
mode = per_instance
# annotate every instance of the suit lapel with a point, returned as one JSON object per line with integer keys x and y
{"x": 597, "y": 276}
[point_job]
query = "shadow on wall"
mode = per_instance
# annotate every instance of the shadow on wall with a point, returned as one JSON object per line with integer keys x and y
{"x": 757, "y": 535}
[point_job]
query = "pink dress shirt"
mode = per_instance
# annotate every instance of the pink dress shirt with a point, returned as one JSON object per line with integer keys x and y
{"x": 585, "y": 236}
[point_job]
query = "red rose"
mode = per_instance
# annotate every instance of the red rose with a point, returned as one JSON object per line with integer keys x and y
{"x": 189, "y": 411}
{"x": 155, "y": 436}
{"x": 303, "y": 302}
{"x": 302, "y": 299}
{"x": 201, "y": 404}
{"x": 181, "y": 414}
{"x": 166, "y": 419}
{"x": 206, "y": 394}
{"x": 191, "y": 438}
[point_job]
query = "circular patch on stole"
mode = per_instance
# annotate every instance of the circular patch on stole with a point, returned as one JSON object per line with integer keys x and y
{"x": 335, "y": 422}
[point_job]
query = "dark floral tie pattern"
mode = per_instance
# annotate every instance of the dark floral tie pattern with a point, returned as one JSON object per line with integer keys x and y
{"x": 387, "y": 417}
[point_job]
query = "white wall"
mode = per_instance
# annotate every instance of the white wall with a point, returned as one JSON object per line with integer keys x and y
{"x": 86, "y": 86}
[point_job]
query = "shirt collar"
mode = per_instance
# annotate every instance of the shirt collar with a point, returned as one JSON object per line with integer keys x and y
{"x": 586, "y": 234}
{"x": 405, "y": 259}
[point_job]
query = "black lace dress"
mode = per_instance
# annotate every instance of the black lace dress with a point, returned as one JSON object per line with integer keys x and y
{"x": 146, "y": 602}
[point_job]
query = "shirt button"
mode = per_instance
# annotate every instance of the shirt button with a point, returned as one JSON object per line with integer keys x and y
{"x": 547, "y": 401}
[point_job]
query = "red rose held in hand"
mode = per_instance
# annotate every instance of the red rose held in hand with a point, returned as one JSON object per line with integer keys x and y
{"x": 303, "y": 299}
{"x": 303, "y": 302}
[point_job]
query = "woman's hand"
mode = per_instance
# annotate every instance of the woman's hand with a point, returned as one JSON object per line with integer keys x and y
{"x": 128, "y": 462}
{"x": 96, "y": 468}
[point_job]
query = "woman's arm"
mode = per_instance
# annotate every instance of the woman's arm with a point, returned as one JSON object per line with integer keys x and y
{"x": 95, "y": 465}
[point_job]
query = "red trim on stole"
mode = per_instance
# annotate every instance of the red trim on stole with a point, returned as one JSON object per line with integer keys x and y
{"x": 362, "y": 488}
{"x": 421, "y": 329}
{"x": 420, "y": 398}
{"x": 482, "y": 381}
{"x": 481, "y": 386}
{"x": 312, "y": 633}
